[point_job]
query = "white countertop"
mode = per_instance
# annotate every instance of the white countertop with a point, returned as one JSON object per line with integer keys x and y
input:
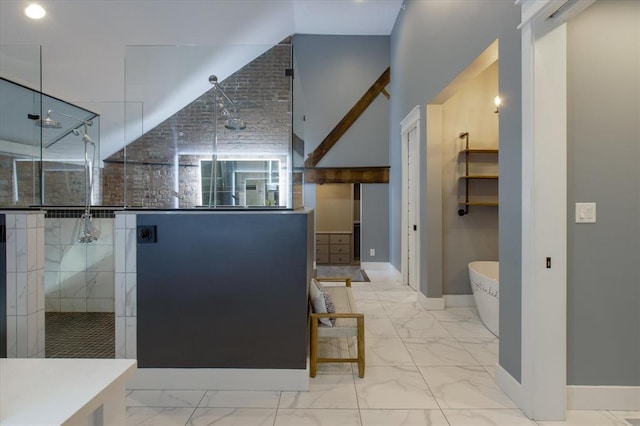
{"x": 50, "y": 391}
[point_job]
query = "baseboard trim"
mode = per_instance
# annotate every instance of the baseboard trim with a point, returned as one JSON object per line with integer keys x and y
{"x": 616, "y": 398}
{"x": 379, "y": 266}
{"x": 511, "y": 387}
{"x": 459, "y": 300}
{"x": 431, "y": 303}
{"x": 221, "y": 379}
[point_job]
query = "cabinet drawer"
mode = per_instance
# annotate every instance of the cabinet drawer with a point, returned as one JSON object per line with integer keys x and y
{"x": 340, "y": 239}
{"x": 322, "y": 249}
{"x": 339, "y": 248}
{"x": 339, "y": 258}
{"x": 322, "y": 258}
{"x": 322, "y": 239}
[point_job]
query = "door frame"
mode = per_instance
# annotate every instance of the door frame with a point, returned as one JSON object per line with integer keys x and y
{"x": 542, "y": 391}
{"x": 409, "y": 123}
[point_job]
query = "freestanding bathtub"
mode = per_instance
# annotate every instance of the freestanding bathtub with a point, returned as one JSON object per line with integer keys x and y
{"x": 484, "y": 279}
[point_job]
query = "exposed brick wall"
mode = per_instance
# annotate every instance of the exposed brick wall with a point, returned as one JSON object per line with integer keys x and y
{"x": 28, "y": 177}
{"x": 64, "y": 183}
{"x": 6, "y": 180}
{"x": 166, "y": 160}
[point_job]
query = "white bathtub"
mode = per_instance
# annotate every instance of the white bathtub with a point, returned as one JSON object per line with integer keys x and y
{"x": 484, "y": 280}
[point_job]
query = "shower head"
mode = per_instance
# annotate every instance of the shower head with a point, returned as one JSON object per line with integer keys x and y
{"x": 234, "y": 123}
{"x": 85, "y": 136}
{"x": 222, "y": 100}
{"x": 48, "y": 123}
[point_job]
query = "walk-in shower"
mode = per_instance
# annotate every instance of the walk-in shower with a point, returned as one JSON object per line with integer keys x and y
{"x": 88, "y": 233}
{"x": 221, "y": 105}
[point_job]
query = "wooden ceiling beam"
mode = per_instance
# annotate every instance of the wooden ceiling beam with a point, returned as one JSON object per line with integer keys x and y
{"x": 320, "y": 175}
{"x": 347, "y": 121}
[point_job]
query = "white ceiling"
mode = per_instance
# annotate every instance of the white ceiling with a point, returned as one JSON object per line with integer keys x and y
{"x": 84, "y": 44}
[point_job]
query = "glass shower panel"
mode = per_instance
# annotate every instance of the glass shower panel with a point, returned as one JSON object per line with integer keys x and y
{"x": 70, "y": 159}
{"x": 42, "y": 149}
{"x": 115, "y": 128}
{"x": 20, "y": 84}
{"x": 199, "y": 138}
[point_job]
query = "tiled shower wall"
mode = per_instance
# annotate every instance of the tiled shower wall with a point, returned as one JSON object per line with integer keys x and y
{"x": 25, "y": 270}
{"x": 78, "y": 277}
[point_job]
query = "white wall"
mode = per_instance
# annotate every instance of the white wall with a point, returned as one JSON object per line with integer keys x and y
{"x": 78, "y": 277}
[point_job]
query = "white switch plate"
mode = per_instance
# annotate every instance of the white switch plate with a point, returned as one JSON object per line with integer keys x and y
{"x": 585, "y": 212}
{"x": 372, "y": 252}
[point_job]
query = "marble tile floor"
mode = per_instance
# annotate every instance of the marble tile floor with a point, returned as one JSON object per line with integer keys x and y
{"x": 423, "y": 368}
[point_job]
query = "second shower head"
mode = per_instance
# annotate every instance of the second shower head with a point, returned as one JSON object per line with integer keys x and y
{"x": 48, "y": 123}
{"x": 85, "y": 136}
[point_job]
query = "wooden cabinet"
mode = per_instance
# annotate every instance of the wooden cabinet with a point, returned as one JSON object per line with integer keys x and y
{"x": 322, "y": 248}
{"x": 333, "y": 248}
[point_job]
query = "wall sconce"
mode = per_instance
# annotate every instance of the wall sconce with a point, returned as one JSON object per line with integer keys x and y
{"x": 497, "y": 101}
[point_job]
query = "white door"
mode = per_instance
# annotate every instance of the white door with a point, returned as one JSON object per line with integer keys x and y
{"x": 413, "y": 199}
{"x": 410, "y": 255}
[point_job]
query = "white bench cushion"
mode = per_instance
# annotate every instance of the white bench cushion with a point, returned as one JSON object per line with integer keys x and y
{"x": 321, "y": 302}
{"x": 344, "y": 303}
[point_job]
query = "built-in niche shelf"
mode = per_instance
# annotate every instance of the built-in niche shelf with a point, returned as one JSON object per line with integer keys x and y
{"x": 469, "y": 155}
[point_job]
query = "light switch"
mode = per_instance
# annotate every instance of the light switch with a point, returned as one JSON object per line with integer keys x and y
{"x": 585, "y": 212}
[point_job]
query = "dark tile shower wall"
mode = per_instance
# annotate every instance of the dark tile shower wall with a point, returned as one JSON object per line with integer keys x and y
{"x": 78, "y": 277}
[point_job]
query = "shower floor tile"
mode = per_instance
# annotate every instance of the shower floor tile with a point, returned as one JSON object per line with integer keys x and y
{"x": 80, "y": 335}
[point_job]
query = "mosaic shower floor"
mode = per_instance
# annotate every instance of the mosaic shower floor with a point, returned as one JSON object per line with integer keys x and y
{"x": 80, "y": 335}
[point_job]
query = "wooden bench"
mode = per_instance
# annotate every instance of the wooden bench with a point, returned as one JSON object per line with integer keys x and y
{"x": 349, "y": 323}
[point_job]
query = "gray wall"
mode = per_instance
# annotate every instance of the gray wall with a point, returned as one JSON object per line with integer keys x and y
{"x": 334, "y": 72}
{"x": 603, "y": 288}
{"x": 432, "y": 43}
{"x": 331, "y": 75}
{"x": 224, "y": 290}
{"x": 374, "y": 202}
{"x": 3, "y": 288}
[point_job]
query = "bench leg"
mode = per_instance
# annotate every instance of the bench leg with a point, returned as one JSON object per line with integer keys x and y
{"x": 313, "y": 351}
{"x": 360, "y": 347}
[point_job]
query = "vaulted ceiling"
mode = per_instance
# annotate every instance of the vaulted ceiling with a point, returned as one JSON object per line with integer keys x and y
{"x": 84, "y": 45}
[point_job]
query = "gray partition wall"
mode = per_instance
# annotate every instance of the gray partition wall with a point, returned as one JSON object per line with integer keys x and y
{"x": 223, "y": 289}
{"x": 3, "y": 287}
{"x": 422, "y": 66}
{"x": 603, "y": 149}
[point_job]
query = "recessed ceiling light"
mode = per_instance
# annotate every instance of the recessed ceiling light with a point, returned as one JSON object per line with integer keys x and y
{"x": 35, "y": 11}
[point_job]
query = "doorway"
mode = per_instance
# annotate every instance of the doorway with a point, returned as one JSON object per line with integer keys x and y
{"x": 410, "y": 136}
{"x": 413, "y": 164}
{"x": 466, "y": 106}
{"x": 337, "y": 214}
